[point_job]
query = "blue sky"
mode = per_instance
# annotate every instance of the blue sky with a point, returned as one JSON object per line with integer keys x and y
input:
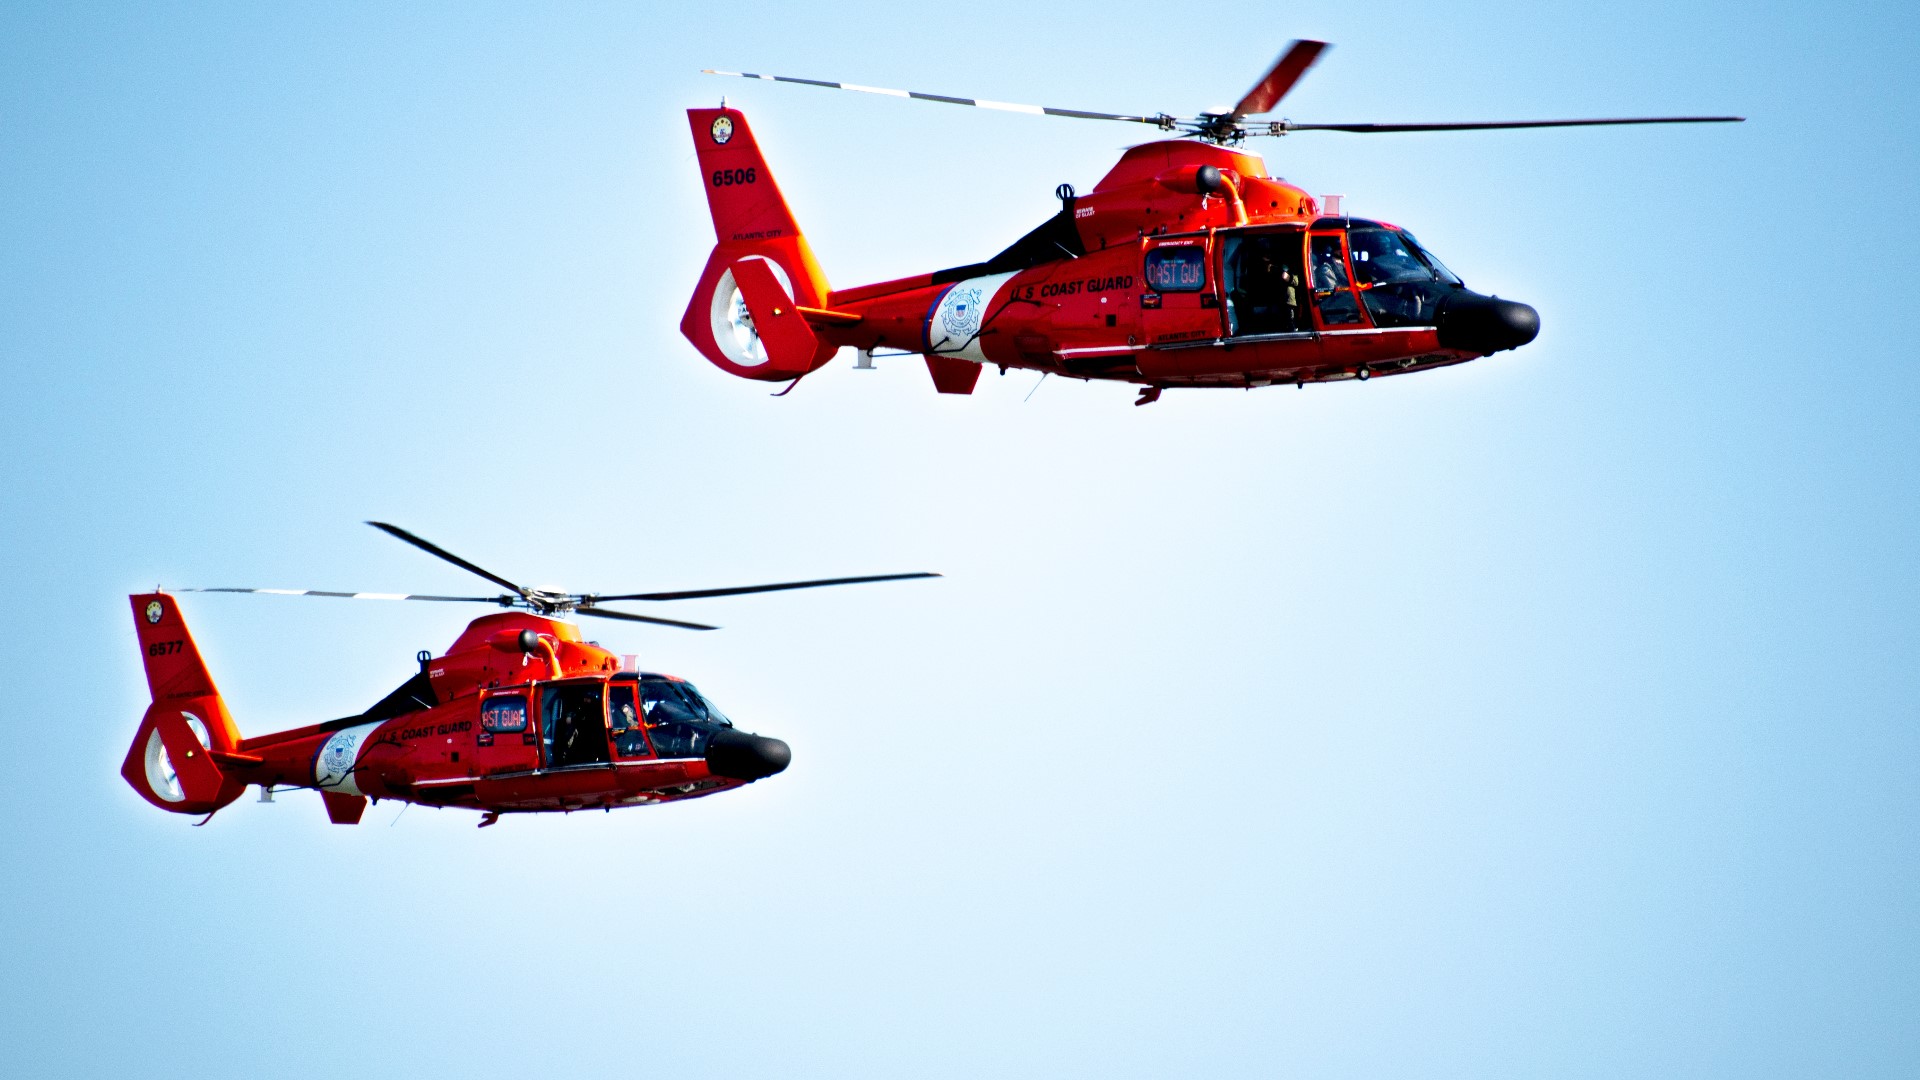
{"x": 1550, "y": 715}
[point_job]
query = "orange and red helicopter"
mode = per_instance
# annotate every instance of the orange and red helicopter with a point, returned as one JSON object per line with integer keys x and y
{"x": 1186, "y": 265}
{"x": 519, "y": 715}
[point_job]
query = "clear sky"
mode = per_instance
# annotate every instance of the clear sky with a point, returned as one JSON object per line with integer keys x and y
{"x": 1552, "y": 715}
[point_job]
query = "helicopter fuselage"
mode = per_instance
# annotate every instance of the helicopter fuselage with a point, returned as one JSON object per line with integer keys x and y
{"x": 519, "y": 715}
{"x": 1186, "y": 265}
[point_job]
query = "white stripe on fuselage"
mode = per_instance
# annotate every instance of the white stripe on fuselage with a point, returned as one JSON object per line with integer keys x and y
{"x": 333, "y": 767}
{"x": 953, "y": 329}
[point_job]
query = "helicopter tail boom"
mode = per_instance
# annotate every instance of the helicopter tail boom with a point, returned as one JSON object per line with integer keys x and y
{"x": 174, "y": 760}
{"x": 745, "y": 313}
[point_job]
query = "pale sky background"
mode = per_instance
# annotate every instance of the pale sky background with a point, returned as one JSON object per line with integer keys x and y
{"x": 1552, "y": 715}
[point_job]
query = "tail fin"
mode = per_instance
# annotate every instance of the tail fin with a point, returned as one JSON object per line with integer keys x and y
{"x": 172, "y": 760}
{"x": 743, "y": 318}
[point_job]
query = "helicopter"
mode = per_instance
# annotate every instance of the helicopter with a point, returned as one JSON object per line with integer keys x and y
{"x": 519, "y": 715}
{"x": 1187, "y": 265}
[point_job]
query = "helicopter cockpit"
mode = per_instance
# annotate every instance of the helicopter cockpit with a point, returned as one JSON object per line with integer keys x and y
{"x": 1351, "y": 269}
{"x": 1401, "y": 282}
{"x": 628, "y": 718}
{"x": 678, "y": 718}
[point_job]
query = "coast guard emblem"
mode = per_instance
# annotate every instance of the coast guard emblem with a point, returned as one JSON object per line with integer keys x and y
{"x": 722, "y": 129}
{"x": 961, "y": 315}
{"x": 153, "y": 611}
{"x": 334, "y": 767}
{"x": 340, "y": 757}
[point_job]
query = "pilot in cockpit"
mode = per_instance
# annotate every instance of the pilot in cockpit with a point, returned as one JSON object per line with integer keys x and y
{"x": 628, "y": 740}
{"x": 1329, "y": 271}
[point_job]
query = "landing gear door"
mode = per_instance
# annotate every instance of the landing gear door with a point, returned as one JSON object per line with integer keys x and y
{"x": 1182, "y": 299}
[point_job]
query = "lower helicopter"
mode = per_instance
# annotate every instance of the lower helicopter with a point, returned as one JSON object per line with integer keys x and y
{"x": 519, "y": 715}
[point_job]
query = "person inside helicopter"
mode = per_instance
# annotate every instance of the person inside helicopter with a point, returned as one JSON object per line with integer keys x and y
{"x": 575, "y": 722}
{"x": 1330, "y": 292}
{"x": 623, "y": 722}
{"x": 679, "y": 719}
{"x": 1263, "y": 284}
{"x": 1402, "y": 284}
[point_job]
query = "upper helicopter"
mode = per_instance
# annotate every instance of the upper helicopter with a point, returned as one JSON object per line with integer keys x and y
{"x": 1186, "y": 265}
{"x": 519, "y": 715}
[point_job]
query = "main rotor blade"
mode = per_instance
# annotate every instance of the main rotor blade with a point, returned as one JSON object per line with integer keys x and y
{"x": 698, "y": 594}
{"x": 1286, "y": 71}
{"x": 399, "y": 533}
{"x": 1161, "y": 121}
{"x": 1281, "y": 127}
{"x": 599, "y": 613}
{"x": 362, "y": 595}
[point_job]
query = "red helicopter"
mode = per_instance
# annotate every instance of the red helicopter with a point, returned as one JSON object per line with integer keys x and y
{"x": 520, "y": 715}
{"x": 1186, "y": 265}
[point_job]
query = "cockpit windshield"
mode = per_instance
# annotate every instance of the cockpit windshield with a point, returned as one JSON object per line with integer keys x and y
{"x": 1402, "y": 284}
{"x": 679, "y": 719}
{"x": 1431, "y": 259}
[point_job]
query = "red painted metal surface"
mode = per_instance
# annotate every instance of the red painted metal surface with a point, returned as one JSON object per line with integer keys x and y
{"x": 188, "y": 756}
{"x": 1089, "y": 315}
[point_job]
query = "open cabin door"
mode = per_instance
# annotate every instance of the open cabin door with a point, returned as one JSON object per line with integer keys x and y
{"x": 573, "y": 724}
{"x": 1263, "y": 277}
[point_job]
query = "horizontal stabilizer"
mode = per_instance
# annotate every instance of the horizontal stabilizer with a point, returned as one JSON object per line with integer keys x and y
{"x": 823, "y": 317}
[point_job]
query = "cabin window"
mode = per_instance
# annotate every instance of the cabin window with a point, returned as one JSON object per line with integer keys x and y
{"x": 623, "y": 722}
{"x": 504, "y": 715}
{"x": 1332, "y": 289}
{"x": 1177, "y": 269}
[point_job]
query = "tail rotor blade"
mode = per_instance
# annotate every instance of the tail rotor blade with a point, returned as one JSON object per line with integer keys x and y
{"x": 1286, "y": 71}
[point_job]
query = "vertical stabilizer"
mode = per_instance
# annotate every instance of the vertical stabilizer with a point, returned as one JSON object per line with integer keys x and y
{"x": 171, "y": 762}
{"x": 743, "y": 315}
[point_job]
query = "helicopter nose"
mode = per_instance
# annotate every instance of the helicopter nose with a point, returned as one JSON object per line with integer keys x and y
{"x": 739, "y": 756}
{"x": 1485, "y": 324}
